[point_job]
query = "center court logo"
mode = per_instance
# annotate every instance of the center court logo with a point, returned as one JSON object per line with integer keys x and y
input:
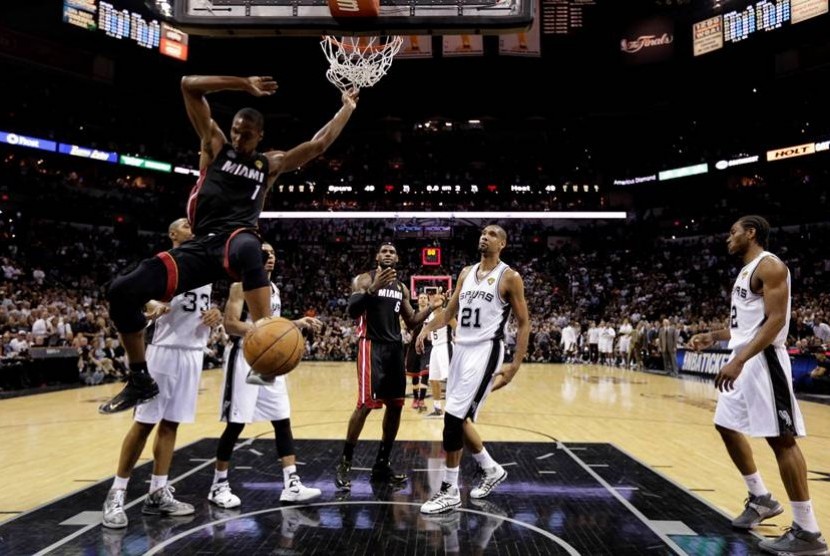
{"x": 645, "y": 41}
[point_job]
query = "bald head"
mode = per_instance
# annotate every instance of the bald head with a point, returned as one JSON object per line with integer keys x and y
{"x": 179, "y": 231}
{"x": 493, "y": 239}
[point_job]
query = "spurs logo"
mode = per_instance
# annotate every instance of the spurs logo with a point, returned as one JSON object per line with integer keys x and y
{"x": 785, "y": 417}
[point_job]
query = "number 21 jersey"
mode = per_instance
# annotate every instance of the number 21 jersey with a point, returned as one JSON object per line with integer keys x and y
{"x": 482, "y": 313}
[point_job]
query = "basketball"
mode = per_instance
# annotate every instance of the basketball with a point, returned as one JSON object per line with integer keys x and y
{"x": 274, "y": 347}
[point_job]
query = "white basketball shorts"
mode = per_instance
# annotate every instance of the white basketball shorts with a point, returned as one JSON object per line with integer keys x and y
{"x": 471, "y": 376}
{"x": 247, "y": 403}
{"x": 439, "y": 361}
{"x": 762, "y": 402}
{"x": 177, "y": 372}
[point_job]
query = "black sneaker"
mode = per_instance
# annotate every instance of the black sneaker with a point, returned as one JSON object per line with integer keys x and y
{"x": 382, "y": 471}
{"x": 140, "y": 388}
{"x": 341, "y": 475}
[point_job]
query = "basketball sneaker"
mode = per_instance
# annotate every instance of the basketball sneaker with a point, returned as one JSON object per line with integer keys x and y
{"x": 140, "y": 388}
{"x": 756, "y": 510}
{"x": 161, "y": 502}
{"x": 490, "y": 479}
{"x": 796, "y": 542}
{"x": 341, "y": 475}
{"x": 296, "y": 491}
{"x": 436, "y": 413}
{"x": 114, "y": 515}
{"x": 382, "y": 471}
{"x": 448, "y": 522}
{"x": 446, "y": 499}
{"x": 294, "y": 518}
{"x": 258, "y": 380}
{"x": 113, "y": 540}
{"x": 221, "y": 495}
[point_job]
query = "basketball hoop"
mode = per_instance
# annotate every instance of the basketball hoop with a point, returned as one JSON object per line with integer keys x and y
{"x": 359, "y": 62}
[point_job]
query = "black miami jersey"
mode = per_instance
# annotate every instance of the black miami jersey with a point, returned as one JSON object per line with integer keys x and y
{"x": 381, "y": 321}
{"x": 230, "y": 193}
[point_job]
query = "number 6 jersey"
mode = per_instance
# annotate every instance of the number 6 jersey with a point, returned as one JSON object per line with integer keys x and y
{"x": 182, "y": 327}
{"x": 482, "y": 313}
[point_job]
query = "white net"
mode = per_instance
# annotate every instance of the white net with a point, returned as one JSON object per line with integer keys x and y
{"x": 359, "y": 62}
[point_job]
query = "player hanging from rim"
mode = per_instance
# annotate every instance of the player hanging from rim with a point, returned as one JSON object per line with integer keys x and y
{"x": 223, "y": 210}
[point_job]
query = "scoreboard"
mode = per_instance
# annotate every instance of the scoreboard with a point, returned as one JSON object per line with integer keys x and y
{"x": 123, "y": 24}
{"x": 739, "y": 24}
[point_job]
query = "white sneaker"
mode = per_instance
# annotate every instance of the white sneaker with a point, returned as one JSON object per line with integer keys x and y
{"x": 162, "y": 502}
{"x": 491, "y": 479}
{"x": 114, "y": 515}
{"x": 446, "y": 499}
{"x": 258, "y": 380}
{"x": 296, "y": 491}
{"x": 221, "y": 495}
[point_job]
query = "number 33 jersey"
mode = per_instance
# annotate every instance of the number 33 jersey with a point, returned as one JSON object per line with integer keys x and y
{"x": 182, "y": 326}
{"x": 482, "y": 313}
{"x": 748, "y": 312}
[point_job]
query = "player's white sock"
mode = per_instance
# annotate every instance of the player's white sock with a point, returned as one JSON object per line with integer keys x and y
{"x": 451, "y": 476}
{"x": 220, "y": 476}
{"x": 436, "y": 404}
{"x": 484, "y": 460}
{"x": 755, "y": 485}
{"x": 804, "y": 516}
{"x": 287, "y": 472}
{"x": 157, "y": 482}
{"x": 120, "y": 483}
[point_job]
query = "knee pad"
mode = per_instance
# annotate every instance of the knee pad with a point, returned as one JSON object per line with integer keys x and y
{"x": 128, "y": 294}
{"x": 245, "y": 258}
{"x": 425, "y": 379}
{"x": 453, "y": 433}
{"x": 227, "y": 441}
{"x": 414, "y": 381}
{"x": 284, "y": 437}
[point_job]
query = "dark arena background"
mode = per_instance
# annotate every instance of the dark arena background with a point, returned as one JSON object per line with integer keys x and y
{"x": 615, "y": 141}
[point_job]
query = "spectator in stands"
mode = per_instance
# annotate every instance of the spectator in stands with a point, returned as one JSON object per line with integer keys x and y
{"x": 18, "y": 346}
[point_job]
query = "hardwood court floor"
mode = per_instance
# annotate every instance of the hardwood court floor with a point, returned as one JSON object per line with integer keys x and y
{"x": 56, "y": 443}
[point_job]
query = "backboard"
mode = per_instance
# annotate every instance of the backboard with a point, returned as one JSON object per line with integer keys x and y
{"x": 312, "y": 17}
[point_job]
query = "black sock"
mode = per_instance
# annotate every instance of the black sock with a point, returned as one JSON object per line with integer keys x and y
{"x": 138, "y": 368}
{"x": 348, "y": 451}
{"x": 423, "y": 394}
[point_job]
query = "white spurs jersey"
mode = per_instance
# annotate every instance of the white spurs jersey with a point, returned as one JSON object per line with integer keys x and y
{"x": 182, "y": 326}
{"x": 276, "y": 304}
{"x": 748, "y": 311}
{"x": 440, "y": 336}
{"x": 482, "y": 313}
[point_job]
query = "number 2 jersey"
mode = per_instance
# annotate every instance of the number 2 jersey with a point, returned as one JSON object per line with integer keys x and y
{"x": 230, "y": 193}
{"x": 748, "y": 311}
{"x": 482, "y": 313}
{"x": 182, "y": 326}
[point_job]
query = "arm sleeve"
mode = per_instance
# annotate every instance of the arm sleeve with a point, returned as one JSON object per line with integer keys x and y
{"x": 357, "y": 304}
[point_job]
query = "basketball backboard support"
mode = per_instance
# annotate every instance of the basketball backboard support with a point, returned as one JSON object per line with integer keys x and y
{"x": 313, "y": 17}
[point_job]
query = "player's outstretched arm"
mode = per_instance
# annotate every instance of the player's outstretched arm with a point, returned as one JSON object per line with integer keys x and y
{"x": 233, "y": 312}
{"x": 288, "y": 161}
{"x": 413, "y": 319}
{"x": 446, "y": 315}
{"x": 194, "y": 89}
